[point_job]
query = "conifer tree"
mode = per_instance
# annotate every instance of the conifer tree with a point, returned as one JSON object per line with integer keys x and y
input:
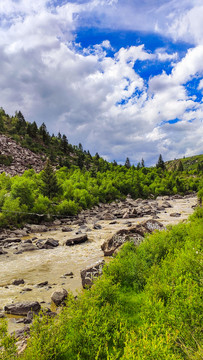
{"x": 160, "y": 164}
{"x": 127, "y": 163}
{"x": 50, "y": 186}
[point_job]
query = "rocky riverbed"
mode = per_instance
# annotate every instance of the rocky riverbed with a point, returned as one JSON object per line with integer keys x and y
{"x": 40, "y": 259}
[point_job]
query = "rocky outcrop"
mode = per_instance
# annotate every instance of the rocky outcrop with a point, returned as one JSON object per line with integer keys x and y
{"x": 135, "y": 234}
{"x": 23, "y": 159}
{"x": 88, "y": 275}
{"x": 22, "y": 308}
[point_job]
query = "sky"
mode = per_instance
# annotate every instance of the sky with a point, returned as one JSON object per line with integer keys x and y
{"x": 122, "y": 77}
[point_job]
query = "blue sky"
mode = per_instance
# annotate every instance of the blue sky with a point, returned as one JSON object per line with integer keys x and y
{"x": 124, "y": 78}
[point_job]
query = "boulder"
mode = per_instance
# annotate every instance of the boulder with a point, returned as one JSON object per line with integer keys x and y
{"x": 135, "y": 234}
{"x": 89, "y": 274}
{"x": 22, "y": 308}
{"x": 77, "y": 240}
{"x": 26, "y": 247}
{"x": 59, "y": 296}
{"x": 51, "y": 243}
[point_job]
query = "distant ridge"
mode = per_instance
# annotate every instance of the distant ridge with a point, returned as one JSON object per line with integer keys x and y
{"x": 188, "y": 163}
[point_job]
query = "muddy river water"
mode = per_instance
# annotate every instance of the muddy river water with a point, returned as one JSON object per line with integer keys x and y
{"x": 52, "y": 265}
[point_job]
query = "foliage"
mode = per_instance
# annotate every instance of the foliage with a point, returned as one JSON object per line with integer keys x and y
{"x": 147, "y": 305}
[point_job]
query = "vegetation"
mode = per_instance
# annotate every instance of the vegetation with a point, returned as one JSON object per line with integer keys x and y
{"x": 67, "y": 191}
{"x": 147, "y": 305}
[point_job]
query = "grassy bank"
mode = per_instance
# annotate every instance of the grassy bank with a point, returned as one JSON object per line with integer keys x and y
{"x": 147, "y": 305}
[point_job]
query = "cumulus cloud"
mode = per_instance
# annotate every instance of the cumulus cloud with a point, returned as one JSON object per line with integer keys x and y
{"x": 98, "y": 100}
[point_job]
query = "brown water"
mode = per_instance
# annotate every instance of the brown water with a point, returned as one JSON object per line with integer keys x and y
{"x": 51, "y": 265}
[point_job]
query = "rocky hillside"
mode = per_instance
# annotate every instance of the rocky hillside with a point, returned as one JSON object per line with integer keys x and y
{"x": 14, "y": 159}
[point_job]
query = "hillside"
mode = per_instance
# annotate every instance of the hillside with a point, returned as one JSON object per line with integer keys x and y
{"x": 186, "y": 163}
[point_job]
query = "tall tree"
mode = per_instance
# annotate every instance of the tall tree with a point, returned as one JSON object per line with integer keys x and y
{"x": 49, "y": 186}
{"x": 160, "y": 164}
{"x": 127, "y": 163}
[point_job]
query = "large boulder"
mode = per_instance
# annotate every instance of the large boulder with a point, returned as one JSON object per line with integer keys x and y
{"x": 78, "y": 239}
{"x": 135, "y": 234}
{"x": 22, "y": 308}
{"x": 89, "y": 274}
{"x": 59, "y": 296}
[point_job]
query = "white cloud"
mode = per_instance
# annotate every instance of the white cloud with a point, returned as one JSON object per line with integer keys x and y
{"x": 97, "y": 100}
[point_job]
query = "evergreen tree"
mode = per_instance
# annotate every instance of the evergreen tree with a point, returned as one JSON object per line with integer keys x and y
{"x": 180, "y": 166}
{"x": 127, "y": 163}
{"x": 64, "y": 143}
{"x": 160, "y": 164}
{"x": 142, "y": 163}
{"x": 44, "y": 133}
{"x": 50, "y": 186}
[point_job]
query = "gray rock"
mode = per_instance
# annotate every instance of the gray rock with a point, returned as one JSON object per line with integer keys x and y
{"x": 59, "y": 296}
{"x": 42, "y": 284}
{"x": 88, "y": 275}
{"x": 77, "y": 240}
{"x": 22, "y": 308}
{"x": 175, "y": 214}
{"x": 66, "y": 229}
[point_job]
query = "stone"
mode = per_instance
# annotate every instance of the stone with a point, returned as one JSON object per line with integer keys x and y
{"x": 22, "y": 308}
{"x": 175, "y": 214}
{"x": 37, "y": 228}
{"x": 18, "y": 282}
{"x": 77, "y": 240}
{"x": 26, "y": 247}
{"x": 135, "y": 234}
{"x": 2, "y": 252}
{"x": 66, "y": 229}
{"x": 51, "y": 243}
{"x": 97, "y": 227}
{"x": 59, "y": 296}
{"x": 42, "y": 284}
{"x": 89, "y": 274}
{"x": 21, "y": 332}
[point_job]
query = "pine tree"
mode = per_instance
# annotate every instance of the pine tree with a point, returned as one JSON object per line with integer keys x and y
{"x": 160, "y": 164}
{"x": 50, "y": 186}
{"x": 142, "y": 163}
{"x": 127, "y": 163}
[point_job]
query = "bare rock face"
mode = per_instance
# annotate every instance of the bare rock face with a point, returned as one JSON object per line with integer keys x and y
{"x": 22, "y": 308}
{"x": 59, "y": 296}
{"x": 23, "y": 159}
{"x": 88, "y": 275}
{"x": 78, "y": 239}
{"x": 135, "y": 234}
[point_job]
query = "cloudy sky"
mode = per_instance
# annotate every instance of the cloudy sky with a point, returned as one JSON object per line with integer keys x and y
{"x": 123, "y": 77}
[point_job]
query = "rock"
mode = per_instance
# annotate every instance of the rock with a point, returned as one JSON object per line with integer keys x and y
{"x": 59, "y": 296}
{"x": 77, "y": 240}
{"x": 21, "y": 332}
{"x": 2, "y": 315}
{"x": 97, "y": 227}
{"x": 2, "y": 252}
{"x": 18, "y": 282}
{"x": 22, "y": 308}
{"x": 136, "y": 234}
{"x": 68, "y": 274}
{"x": 37, "y": 228}
{"x": 51, "y": 243}
{"x": 57, "y": 222}
{"x": 26, "y": 247}
{"x": 11, "y": 241}
{"x": 175, "y": 214}
{"x": 66, "y": 229}
{"x": 42, "y": 284}
{"x": 88, "y": 275}
{"x": 107, "y": 216}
